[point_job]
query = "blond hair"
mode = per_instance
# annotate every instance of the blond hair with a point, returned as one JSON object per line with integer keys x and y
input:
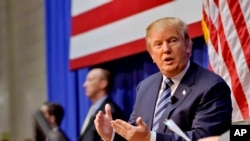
{"x": 168, "y": 23}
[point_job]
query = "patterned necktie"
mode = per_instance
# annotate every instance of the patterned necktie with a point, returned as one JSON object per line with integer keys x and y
{"x": 162, "y": 103}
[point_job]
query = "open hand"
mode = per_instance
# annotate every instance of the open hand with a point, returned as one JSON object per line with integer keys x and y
{"x": 103, "y": 123}
{"x": 130, "y": 132}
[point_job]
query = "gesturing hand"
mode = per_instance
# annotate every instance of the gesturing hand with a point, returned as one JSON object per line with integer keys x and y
{"x": 103, "y": 123}
{"x": 130, "y": 132}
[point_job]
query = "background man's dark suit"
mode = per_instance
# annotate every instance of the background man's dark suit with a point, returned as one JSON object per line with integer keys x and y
{"x": 203, "y": 106}
{"x": 57, "y": 135}
{"x": 90, "y": 133}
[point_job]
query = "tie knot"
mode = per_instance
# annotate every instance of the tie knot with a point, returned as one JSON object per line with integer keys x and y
{"x": 168, "y": 83}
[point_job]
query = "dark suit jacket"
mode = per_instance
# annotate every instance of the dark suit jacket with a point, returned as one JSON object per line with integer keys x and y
{"x": 205, "y": 109}
{"x": 57, "y": 135}
{"x": 90, "y": 133}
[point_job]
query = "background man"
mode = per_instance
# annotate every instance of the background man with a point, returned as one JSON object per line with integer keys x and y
{"x": 97, "y": 86}
{"x": 53, "y": 113}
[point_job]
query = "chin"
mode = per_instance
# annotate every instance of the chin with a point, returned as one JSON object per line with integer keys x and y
{"x": 170, "y": 71}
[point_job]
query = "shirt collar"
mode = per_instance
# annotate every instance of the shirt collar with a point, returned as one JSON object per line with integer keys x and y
{"x": 55, "y": 129}
{"x": 98, "y": 103}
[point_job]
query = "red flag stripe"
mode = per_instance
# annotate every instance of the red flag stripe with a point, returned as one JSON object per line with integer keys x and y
{"x": 127, "y": 49}
{"x": 228, "y": 57}
{"x": 235, "y": 82}
{"x": 97, "y": 33}
{"x": 240, "y": 23}
{"x": 235, "y": 45}
{"x": 109, "y": 54}
{"x": 212, "y": 30}
{"x": 102, "y": 15}
{"x": 216, "y": 2}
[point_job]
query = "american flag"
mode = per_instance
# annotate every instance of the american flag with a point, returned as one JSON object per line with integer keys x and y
{"x": 103, "y": 30}
{"x": 226, "y": 26}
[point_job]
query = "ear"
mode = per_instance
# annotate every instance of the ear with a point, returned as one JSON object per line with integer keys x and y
{"x": 52, "y": 119}
{"x": 189, "y": 47}
{"x": 104, "y": 84}
{"x": 151, "y": 55}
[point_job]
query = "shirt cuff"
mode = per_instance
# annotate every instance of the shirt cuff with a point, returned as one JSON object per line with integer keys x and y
{"x": 112, "y": 137}
{"x": 152, "y": 136}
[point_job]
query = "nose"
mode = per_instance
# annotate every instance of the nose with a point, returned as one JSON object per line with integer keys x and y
{"x": 166, "y": 48}
{"x": 84, "y": 85}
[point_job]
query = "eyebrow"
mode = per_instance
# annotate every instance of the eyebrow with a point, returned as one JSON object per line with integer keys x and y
{"x": 175, "y": 36}
{"x": 170, "y": 37}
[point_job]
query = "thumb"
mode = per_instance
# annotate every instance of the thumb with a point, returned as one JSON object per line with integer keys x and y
{"x": 108, "y": 111}
{"x": 140, "y": 122}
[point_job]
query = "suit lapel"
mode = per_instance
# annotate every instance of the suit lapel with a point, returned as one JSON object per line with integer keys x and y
{"x": 182, "y": 91}
{"x": 152, "y": 91}
{"x": 92, "y": 118}
{"x": 101, "y": 108}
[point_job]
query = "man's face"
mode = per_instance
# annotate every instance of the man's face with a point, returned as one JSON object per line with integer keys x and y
{"x": 92, "y": 83}
{"x": 44, "y": 110}
{"x": 169, "y": 51}
{"x": 50, "y": 118}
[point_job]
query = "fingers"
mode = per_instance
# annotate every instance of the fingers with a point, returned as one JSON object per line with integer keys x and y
{"x": 108, "y": 110}
{"x": 102, "y": 118}
{"x": 140, "y": 122}
{"x": 98, "y": 118}
{"x": 121, "y": 127}
{"x": 120, "y": 124}
{"x": 103, "y": 126}
{"x": 130, "y": 132}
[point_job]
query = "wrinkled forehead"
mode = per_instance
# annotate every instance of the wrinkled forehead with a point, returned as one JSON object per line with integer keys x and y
{"x": 165, "y": 29}
{"x": 166, "y": 32}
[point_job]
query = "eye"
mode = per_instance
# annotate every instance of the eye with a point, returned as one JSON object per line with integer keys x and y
{"x": 157, "y": 44}
{"x": 172, "y": 41}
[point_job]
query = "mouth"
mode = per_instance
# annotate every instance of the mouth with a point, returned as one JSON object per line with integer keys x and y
{"x": 168, "y": 60}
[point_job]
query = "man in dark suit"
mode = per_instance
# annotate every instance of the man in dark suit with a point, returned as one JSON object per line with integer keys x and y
{"x": 53, "y": 112}
{"x": 199, "y": 101}
{"x": 97, "y": 86}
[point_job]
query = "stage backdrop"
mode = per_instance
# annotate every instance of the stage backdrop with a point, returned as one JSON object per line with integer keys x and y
{"x": 65, "y": 78}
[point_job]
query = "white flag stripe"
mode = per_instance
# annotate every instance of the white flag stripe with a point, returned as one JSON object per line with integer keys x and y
{"x": 216, "y": 60}
{"x": 131, "y": 28}
{"x": 213, "y": 13}
{"x": 226, "y": 54}
{"x": 244, "y": 4}
{"x": 80, "y": 6}
{"x": 235, "y": 48}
